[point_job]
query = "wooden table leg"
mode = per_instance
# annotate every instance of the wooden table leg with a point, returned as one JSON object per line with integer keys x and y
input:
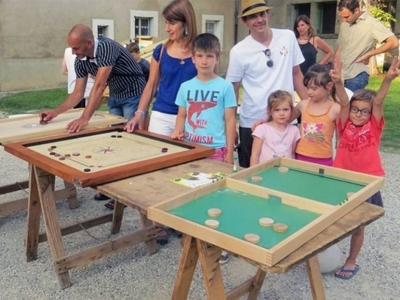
{"x": 151, "y": 245}
{"x": 33, "y": 219}
{"x": 315, "y": 277}
{"x": 258, "y": 281}
{"x": 209, "y": 256}
{"x": 72, "y": 198}
{"x": 45, "y": 184}
{"x": 118, "y": 214}
{"x": 186, "y": 269}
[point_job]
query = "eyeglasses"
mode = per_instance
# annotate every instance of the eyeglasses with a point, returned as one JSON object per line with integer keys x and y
{"x": 364, "y": 111}
{"x": 267, "y": 53}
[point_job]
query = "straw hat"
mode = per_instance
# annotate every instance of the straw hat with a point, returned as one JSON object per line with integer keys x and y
{"x": 250, "y": 7}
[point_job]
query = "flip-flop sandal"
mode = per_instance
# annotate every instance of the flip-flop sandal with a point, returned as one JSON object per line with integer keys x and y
{"x": 110, "y": 204}
{"x": 352, "y": 272}
{"x": 100, "y": 197}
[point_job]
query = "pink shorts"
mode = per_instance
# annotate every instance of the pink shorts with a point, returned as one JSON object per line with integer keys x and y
{"x": 321, "y": 161}
{"x": 219, "y": 154}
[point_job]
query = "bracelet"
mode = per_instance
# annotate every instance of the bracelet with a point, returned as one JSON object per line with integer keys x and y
{"x": 140, "y": 112}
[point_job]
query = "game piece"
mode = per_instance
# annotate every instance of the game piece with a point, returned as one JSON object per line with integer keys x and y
{"x": 88, "y": 156}
{"x": 212, "y": 223}
{"x": 86, "y": 170}
{"x": 67, "y": 155}
{"x": 52, "y": 153}
{"x": 57, "y": 155}
{"x": 280, "y": 227}
{"x": 214, "y": 212}
{"x": 164, "y": 150}
{"x": 252, "y": 238}
{"x": 256, "y": 178}
{"x": 266, "y": 222}
{"x": 349, "y": 194}
{"x": 62, "y": 158}
{"x": 76, "y": 154}
{"x": 283, "y": 169}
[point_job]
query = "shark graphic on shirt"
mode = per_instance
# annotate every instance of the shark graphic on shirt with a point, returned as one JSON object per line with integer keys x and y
{"x": 196, "y": 107}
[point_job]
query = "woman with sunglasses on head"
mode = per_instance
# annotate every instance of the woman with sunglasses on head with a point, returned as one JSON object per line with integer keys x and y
{"x": 310, "y": 43}
{"x": 280, "y": 55}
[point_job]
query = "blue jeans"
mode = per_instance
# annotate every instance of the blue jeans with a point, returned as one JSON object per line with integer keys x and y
{"x": 357, "y": 83}
{"x": 123, "y": 107}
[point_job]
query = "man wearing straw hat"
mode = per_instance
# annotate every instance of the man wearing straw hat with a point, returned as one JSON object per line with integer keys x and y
{"x": 265, "y": 61}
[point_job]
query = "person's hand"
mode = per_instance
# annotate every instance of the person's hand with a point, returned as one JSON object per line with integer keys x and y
{"x": 77, "y": 125}
{"x": 229, "y": 159}
{"x": 48, "y": 115}
{"x": 364, "y": 59}
{"x": 177, "y": 135}
{"x": 336, "y": 72}
{"x": 136, "y": 121}
{"x": 256, "y": 123}
{"x": 393, "y": 71}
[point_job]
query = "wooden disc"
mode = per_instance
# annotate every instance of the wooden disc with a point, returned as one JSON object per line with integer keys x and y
{"x": 214, "y": 212}
{"x": 280, "y": 227}
{"x": 283, "y": 169}
{"x": 256, "y": 178}
{"x": 266, "y": 222}
{"x": 212, "y": 223}
{"x": 349, "y": 194}
{"x": 252, "y": 238}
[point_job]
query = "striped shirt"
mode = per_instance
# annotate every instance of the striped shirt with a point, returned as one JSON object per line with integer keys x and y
{"x": 126, "y": 78}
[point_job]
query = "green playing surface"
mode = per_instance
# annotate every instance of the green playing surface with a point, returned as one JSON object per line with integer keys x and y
{"x": 241, "y": 213}
{"x": 315, "y": 186}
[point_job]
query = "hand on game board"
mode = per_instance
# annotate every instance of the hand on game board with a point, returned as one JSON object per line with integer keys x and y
{"x": 177, "y": 135}
{"x": 77, "y": 125}
{"x": 136, "y": 121}
{"x": 48, "y": 115}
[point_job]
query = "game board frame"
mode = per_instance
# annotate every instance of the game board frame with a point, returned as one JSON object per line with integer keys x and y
{"x": 269, "y": 257}
{"x": 82, "y": 179}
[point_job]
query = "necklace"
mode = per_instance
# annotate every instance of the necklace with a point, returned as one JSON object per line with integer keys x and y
{"x": 184, "y": 50}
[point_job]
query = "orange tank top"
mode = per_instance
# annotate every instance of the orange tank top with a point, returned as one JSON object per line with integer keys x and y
{"x": 316, "y": 134}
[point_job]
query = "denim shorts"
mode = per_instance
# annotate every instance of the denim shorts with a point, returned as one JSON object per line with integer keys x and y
{"x": 123, "y": 107}
{"x": 357, "y": 83}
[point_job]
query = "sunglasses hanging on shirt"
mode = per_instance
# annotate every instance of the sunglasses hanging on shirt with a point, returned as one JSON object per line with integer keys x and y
{"x": 267, "y": 53}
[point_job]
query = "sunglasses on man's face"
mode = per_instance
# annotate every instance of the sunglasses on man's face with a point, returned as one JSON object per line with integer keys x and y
{"x": 267, "y": 53}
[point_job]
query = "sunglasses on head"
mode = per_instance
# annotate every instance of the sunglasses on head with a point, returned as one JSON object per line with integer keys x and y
{"x": 267, "y": 53}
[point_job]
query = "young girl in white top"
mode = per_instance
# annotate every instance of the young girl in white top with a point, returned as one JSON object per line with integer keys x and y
{"x": 276, "y": 137}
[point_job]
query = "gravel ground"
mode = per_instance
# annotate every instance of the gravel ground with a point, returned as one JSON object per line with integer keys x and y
{"x": 131, "y": 274}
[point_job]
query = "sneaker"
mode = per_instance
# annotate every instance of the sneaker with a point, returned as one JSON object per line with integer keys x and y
{"x": 224, "y": 258}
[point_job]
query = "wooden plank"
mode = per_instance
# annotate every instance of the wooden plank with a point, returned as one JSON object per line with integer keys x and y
{"x": 33, "y": 219}
{"x": 65, "y": 263}
{"x": 45, "y": 183}
{"x": 240, "y": 290}
{"x": 315, "y": 277}
{"x": 118, "y": 214}
{"x": 186, "y": 269}
{"x": 18, "y": 186}
{"x": 154, "y": 187}
{"x": 257, "y": 284}
{"x": 81, "y": 226}
{"x": 151, "y": 246}
{"x": 209, "y": 256}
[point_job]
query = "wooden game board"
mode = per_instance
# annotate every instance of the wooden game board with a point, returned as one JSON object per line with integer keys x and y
{"x": 277, "y": 196}
{"x": 28, "y": 127}
{"x": 104, "y": 155}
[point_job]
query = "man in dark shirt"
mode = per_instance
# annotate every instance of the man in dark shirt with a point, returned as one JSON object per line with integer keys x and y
{"x": 112, "y": 65}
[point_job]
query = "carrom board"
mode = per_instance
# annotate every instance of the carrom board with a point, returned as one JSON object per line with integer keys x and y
{"x": 307, "y": 198}
{"x": 27, "y": 127}
{"x": 104, "y": 155}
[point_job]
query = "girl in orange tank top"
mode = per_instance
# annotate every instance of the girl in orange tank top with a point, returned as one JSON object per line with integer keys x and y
{"x": 318, "y": 117}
